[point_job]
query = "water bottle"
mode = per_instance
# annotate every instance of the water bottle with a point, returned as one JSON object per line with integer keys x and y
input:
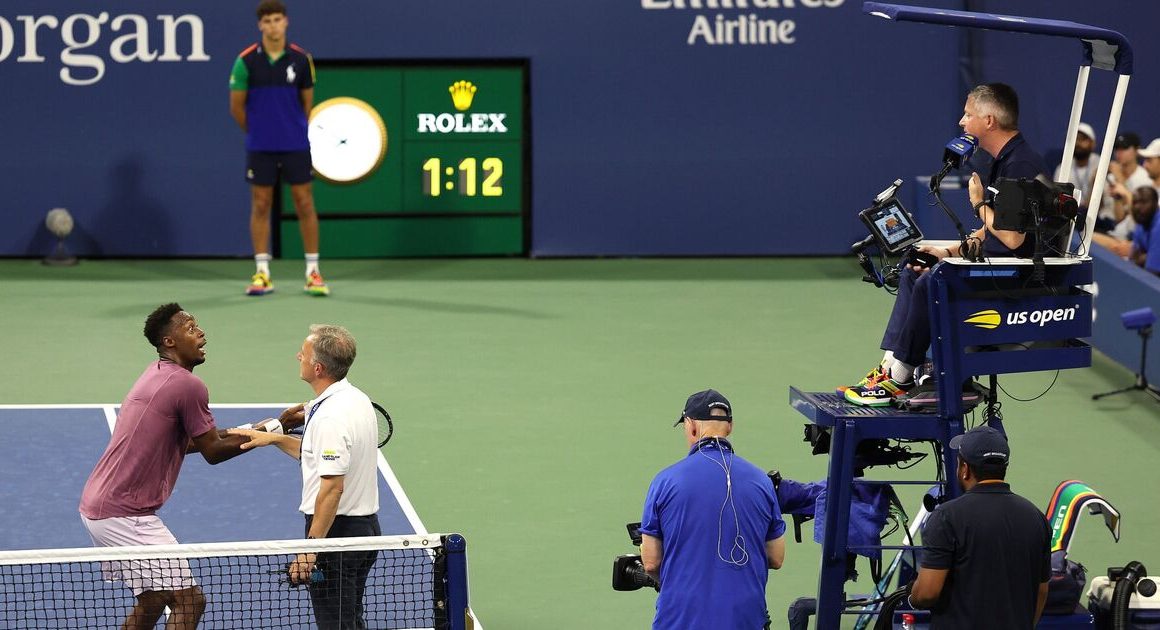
{"x": 907, "y": 621}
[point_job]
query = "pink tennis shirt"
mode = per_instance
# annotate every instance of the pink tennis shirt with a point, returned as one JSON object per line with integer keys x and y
{"x": 166, "y": 407}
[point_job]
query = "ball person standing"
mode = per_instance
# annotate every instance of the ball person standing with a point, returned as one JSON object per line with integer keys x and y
{"x": 271, "y": 93}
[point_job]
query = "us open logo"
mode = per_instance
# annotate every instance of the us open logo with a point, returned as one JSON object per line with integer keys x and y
{"x": 990, "y": 319}
{"x": 462, "y": 95}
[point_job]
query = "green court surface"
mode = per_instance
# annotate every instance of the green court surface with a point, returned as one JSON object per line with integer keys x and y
{"x": 534, "y": 400}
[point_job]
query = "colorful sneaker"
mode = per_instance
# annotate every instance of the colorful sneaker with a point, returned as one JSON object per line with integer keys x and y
{"x": 260, "y": 284}
{"x": 924, "y": 395}
{"x": 878, "y": 394}
{"x": 873, "y": 376}
{"x": 316, "y": 286}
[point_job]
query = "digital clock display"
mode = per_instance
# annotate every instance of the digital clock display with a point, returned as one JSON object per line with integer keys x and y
{"x": 454, "y": 161}
{"x": 466, "y": 183}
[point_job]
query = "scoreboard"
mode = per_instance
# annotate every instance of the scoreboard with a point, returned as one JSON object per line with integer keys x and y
{"x": 417, "y": 159}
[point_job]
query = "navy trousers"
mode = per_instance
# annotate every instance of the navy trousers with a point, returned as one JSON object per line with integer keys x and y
{"x": 908, "y": 330}
{"x": 338, "y": 598}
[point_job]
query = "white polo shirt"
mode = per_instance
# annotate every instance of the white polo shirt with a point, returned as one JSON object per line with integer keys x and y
{"x": 341, "y": 438}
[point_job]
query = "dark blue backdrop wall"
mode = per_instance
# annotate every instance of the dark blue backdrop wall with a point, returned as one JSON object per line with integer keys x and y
{"x": 650, "y": 136}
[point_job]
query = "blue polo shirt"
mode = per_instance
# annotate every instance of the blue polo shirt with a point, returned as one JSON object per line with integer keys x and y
{"x": 275, "y": 120}
{"x": 683, "y": 508}
{"x": 1142, "y": 237}
{"x": 1015, "y": 160}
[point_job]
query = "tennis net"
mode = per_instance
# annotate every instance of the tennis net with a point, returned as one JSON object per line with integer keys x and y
{"x": 412, "y": 581}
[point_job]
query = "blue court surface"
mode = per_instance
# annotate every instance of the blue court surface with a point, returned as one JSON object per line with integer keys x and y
{"x": 50, "y": 451}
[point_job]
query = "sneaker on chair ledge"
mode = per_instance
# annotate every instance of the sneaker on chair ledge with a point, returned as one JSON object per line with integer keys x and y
{"x": 873, "y": 376}
{"x": 878, "y": 394}
{"x": 315, "y": 285}
{"x": 260, "y": 284}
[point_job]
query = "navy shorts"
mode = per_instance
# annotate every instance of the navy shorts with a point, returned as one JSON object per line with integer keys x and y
{"x": 262, "y": 167}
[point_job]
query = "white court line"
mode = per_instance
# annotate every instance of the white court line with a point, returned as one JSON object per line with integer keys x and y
{"x": 400, "y": 496}
{"x": 110, "y": 412}
{"x": 110, "y": 416}
{"x": 80, "y": 406}
{"x": 103, "y": 405}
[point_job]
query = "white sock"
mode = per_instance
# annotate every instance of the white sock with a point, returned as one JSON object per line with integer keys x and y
{"x": 901, "y": 372}
{"x": 887, "y": 360}
{"x": 311, "y": 264}
{"x": 262, "y": 261}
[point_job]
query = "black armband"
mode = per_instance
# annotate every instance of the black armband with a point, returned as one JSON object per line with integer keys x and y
{"x": 977, "y": 206}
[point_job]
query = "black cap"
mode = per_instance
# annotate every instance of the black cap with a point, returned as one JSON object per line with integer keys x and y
{"x": 700, "y": 405}
{"x": 981, "y": 446}
{"x": 1126, "y": 140}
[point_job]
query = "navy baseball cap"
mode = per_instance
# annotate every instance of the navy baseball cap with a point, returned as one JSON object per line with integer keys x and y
{"x": 700, "y": 405}
{"x": 982, "y": 445}
{"x": 1127, "y": 140}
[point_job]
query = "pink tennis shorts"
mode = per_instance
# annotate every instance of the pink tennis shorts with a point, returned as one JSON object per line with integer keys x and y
{"x": 145, "y": 574}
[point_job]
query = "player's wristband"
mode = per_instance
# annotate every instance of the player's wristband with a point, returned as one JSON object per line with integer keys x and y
{"x": 274, "y": 426}
{"x": 245, "y": 426}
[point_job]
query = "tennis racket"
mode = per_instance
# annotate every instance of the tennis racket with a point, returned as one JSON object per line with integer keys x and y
{"x": 386, "y": 427}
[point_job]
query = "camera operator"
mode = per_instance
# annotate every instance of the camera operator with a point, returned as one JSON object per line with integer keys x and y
{"x": 711, "y": 528}
{"x": 991, "y": 114}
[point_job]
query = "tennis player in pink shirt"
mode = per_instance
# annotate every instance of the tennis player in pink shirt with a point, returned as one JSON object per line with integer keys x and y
{"x": 163, "y": 417}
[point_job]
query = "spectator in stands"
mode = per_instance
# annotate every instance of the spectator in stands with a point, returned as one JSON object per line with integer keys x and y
{"x": 1124, "y": 176}
{"x": 1139, "y": 249}
{"x": 1084, "y": 162}
{"x": 1151, "y": 155}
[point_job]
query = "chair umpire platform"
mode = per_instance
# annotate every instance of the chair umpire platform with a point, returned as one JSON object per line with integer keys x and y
{"x": 986, "y": 319}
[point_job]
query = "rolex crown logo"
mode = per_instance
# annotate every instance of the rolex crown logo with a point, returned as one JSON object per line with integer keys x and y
{"x": 462, "y": 93}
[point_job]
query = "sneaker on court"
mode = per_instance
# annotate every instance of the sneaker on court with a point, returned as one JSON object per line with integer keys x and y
{"x": 878, "y": 394}
{"x": 315, "y": 285}
{"x": 873, "y": 376}
{"x": 260, "y": 284}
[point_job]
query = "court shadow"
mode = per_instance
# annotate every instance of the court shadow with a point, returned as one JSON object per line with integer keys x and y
{"x": 433, "y": 306}
{"x": 803, "y": 269}
{"x": 194, "y": 305}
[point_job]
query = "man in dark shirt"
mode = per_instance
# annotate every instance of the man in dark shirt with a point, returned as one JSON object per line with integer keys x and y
{"x": 987, "y": 557}
{"x": 991, "y": 114}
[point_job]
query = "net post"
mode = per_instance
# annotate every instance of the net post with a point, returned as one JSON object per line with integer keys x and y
{"x": 456, "y": 549}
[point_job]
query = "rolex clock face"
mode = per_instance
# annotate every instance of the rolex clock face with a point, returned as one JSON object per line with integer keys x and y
{"x": 348, "y": 140}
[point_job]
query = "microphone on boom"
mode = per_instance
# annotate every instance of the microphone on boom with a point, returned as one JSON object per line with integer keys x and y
{"x": 957, "y": 152}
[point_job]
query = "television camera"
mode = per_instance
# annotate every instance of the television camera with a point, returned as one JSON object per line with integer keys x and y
{"x": 628, "y": 572}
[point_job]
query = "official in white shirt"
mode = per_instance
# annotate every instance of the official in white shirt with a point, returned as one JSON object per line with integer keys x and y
{"x": 338, "y": 453}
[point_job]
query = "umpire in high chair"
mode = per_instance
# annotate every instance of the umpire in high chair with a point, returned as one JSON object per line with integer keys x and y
{"x": 711, "y": 528}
